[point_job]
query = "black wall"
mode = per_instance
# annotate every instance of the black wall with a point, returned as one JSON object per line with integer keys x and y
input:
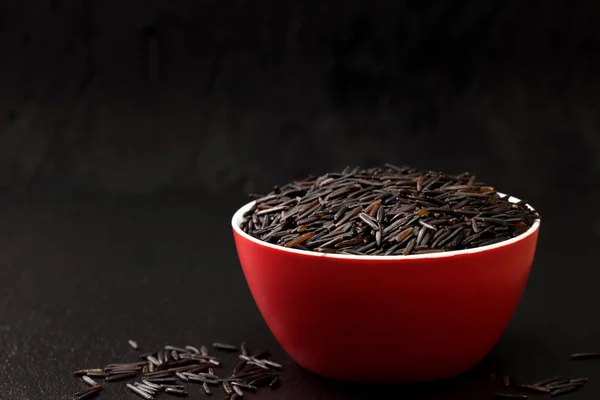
{"x": 142, "y": 96}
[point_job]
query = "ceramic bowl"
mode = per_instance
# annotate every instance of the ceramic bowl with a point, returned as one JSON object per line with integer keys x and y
{"x": 386, "y": 318}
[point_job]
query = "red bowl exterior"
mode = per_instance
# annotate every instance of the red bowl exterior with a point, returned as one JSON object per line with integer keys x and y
{"x": 410, "y": 319}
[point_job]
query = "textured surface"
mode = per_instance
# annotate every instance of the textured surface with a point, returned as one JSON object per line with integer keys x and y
{"x": 80, "y": 276}
{"x": 138, "y": 96}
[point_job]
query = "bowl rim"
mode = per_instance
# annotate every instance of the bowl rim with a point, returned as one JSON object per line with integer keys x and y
{"x": 239, "y": 214}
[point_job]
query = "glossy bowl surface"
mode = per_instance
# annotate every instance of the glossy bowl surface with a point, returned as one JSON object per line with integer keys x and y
{"x": 387, "y": 318}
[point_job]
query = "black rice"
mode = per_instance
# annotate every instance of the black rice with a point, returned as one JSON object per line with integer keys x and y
{"x": 272, "y": 364}
{"x": 173, "y": 348}
{"x": 564, "y": 390}
{"x": 263, "y": 380}
{"x": 244, "y": 349}
{"x": 149, "y": 389}
{"x": 89, "y": 381}
{"x": 274, "y": 383}
{"x": 120, "y": 377}
{"x": 88, "y": 393}
{"x": 579, "y": 380}
{"x": 245, "y": 386}
{"x": 150, "y": 384}
{"x": 237, "y": 390}
{"x": 139, "y": 391}
{"x": 153, "y": 360}
{"x": 176, "y": 392}
{"x": 171, "y": 369}
{"x": 227, "y": 388}
{"x": 585, "y": 356}
{"x": 181, "y": 376}
{"x": 554, "y": 386}
{"x": 378, "y": 210}
{"x": 192, "y": 349}
{"x": 82, "y": 372}
{"x": 565, "y": 385}
{"x": 225, "y": 347}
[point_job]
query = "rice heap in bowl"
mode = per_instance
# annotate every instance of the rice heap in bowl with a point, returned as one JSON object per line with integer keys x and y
{"x": 386, "y": 211}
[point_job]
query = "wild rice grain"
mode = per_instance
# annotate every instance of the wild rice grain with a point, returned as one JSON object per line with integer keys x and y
{"x": 176, "y": 392}
{"x": 420, "y": 236}
{"x": 204, "y": 350}
{"x": 89, "y": 381}
{"x": 139, "y": 391}
{"x": 274, "y": 383}
{"x": 136, "y": 365}
{"x": 153, "y": 360}
{"x": 184, "y": 365}
{"x": 148, "y": 389}
{"x": 82, "y": 372}
{"x": 88, "y": 393}
{"x": 579, "y": 380}
{"x": 367, "y": 219}
{"x": 262, "y": 380}
{"x": 428, "y": 226}
{"x": 192, "y": 349}
{"x": 404, "y": 234}
{"x": 474, "y": 225}
{"x": 181, "y": 376}
{"x": 271, "y": 364}
{"x": 300, "y": 239}
{"x": 172, "y": 348}
{"x": 158, "y": 374}
{"x": 585, "y": 356}
{"x": 120, "y": 377}
{"x": 98, "y": 374}
{"x": 409, "y": 248}
{"x": 553, "y": 388}
{"x": 237, "y": 390}
{"x": 150, "y": 384}
{"x": 215, "y": 362}
{"x": 565, "y": 390}
{"x": 244, "y": 349}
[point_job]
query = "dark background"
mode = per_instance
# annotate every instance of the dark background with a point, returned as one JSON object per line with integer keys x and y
{"x": 131, "y": 130}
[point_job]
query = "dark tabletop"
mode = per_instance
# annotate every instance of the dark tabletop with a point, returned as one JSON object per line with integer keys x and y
{"x": 82, "y": 274}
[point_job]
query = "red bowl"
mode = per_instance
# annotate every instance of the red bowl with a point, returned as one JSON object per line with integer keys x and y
{"x": 386, "y": 318}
